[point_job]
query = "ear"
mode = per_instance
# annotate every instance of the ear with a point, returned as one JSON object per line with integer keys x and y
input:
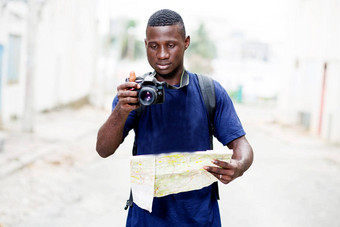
{"x": 187, "y": 42}
{"x": 145, "y": 42}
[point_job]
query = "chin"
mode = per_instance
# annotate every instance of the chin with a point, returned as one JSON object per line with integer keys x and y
{"x": 167, "y": 74}
{"x": 164, "y": 74}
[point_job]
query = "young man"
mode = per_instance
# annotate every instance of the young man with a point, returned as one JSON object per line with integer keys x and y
{"x": 180, "y": 124}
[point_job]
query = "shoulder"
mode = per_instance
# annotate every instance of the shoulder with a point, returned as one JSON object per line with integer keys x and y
{"x": 219, "y": 89}
{"x": 192, "y": 77}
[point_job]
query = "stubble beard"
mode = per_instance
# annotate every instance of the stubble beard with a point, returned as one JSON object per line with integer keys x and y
{"x": 170, "y": 75}
{"x": 166, "y": 76}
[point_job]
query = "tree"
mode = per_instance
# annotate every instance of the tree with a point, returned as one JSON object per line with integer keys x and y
{"x": 202, "y": 51}
{"x": 131, "y": 48}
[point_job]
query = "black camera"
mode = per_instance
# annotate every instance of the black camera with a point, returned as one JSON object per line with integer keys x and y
{"x": 151, "y": 90}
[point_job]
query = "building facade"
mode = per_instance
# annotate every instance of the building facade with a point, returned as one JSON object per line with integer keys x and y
{"x": 310, "y": 95}
{"x": 47, "y": 54}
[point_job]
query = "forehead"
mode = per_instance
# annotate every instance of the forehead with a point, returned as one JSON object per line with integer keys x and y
{"x": 163, "y": 33}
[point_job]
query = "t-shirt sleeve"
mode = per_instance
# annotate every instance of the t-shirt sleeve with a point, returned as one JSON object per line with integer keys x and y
{"x": 130, "y": 121}
{"x": 227, "y": 125}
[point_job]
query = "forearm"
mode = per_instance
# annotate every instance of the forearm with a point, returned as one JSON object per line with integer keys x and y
{"x": 110, "y": 135}
{"x": 242, "y": 152}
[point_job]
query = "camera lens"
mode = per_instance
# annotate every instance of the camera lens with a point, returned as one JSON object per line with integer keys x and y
{"x": 147, "y": 96}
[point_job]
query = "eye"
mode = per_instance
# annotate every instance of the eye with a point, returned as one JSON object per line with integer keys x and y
{"x": 153, "y": 46}
{"x": 171, "y": 45}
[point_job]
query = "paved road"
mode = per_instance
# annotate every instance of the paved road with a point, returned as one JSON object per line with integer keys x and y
{"x": 294, "y": 180}
{"x": 55, "y": 178}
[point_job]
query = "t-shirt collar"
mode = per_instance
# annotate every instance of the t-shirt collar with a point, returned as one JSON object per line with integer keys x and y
{"x": 183, "y": 82}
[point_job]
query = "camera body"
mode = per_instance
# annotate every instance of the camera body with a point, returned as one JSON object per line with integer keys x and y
{"x": 151, "y": 90}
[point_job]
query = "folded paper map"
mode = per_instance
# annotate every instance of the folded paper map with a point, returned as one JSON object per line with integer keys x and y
{"x": 170, "y": 173}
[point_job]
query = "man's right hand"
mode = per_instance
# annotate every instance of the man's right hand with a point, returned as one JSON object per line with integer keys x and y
{"x": 127, "y": 97}
{"x": 110, "y": 135}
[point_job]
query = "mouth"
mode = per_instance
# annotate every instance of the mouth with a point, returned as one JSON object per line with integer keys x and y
{"x": 163, "y": 66}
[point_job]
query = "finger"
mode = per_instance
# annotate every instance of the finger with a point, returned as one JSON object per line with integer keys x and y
{"x": 219, "y": 171}
{"x": 128, "y": 85}
{"x": 223, "y": 164}
{"x": 128, "y": 104}
{"x": 129, "y": 100}
{"x": 132, "y": 76}
{"x": 223, "y": 178}
{"x": 214, "y": 170}
{"x": 127, "y": 93}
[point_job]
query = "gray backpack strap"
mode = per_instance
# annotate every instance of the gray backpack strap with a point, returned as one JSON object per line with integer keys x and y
{"x": 207, "y": 88}
{"x": 208, "y": 93}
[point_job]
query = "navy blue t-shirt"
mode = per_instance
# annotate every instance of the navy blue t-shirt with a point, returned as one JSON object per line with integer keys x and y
{"x": 180, "y": 124}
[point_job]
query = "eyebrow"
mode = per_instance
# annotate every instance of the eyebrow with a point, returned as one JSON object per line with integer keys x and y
{"x": 167, "y": 41}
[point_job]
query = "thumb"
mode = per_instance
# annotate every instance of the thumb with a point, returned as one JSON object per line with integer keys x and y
{"x": 132, "y": 77}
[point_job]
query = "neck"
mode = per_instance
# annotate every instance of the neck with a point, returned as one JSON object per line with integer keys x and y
{"x": 173, "y": 78}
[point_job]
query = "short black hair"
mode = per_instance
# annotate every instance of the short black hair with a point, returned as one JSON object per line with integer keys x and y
{"x": 166, "y": 17}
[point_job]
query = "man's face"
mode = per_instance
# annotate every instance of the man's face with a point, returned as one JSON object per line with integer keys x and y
{"x": 165, "y": 48}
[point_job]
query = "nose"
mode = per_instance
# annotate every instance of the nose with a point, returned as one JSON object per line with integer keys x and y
{"x": 163, "y": 53}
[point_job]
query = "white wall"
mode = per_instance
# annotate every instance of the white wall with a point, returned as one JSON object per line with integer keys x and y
{"x": 314, "y": 35}
{"x": 65, "y": 54}
{"x": 12, "y": 22}
{"x": 65, "y": 60}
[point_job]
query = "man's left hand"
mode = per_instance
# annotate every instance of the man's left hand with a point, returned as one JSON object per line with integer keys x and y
{"x": 226, "y": 172}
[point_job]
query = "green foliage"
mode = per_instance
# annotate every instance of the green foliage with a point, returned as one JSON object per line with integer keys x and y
{"x": 201, "y": 51}
{"x": 129, "y": 48}
{"x": 201, "y": 44}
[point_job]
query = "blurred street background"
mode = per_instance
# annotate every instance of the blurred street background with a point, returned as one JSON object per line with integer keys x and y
{"x": 60, "y": 64}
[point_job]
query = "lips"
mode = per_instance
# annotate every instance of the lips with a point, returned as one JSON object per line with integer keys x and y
{"x": 163, "y": 66}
